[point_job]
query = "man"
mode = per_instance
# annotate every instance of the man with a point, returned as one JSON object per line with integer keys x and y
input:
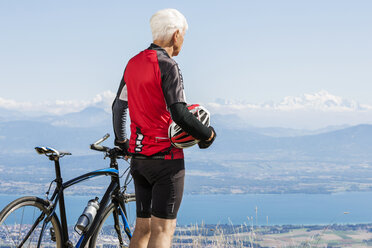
{"x": 152, "y": 89}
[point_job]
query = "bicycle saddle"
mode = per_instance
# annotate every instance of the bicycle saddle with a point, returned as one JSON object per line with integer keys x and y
{"x": 50, "y": 151}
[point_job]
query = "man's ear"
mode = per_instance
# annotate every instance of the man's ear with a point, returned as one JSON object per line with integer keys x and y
{"x": 175, "y": 36}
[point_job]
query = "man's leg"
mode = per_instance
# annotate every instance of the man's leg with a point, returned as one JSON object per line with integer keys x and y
{"x": 167, "y": 195}
{"x": 163, "y": 181}
{"x": 162, "y": 231}
{"x": 141, "y": 234}
{"x": 143, "y": 190}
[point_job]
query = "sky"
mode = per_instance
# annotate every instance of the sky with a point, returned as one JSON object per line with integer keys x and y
{"x": 252, "y": 51}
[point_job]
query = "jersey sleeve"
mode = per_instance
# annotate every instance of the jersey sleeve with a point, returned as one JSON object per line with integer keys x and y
{"x": 172, "y": 86}
{"x": 188, "y": 122}
{"x": 119, "y": 112}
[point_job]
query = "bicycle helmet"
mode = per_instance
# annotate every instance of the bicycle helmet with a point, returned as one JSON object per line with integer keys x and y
{"x": 180, "y": 138}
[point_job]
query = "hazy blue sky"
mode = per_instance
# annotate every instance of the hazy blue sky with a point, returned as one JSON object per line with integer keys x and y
{"x": 249, "y": 50}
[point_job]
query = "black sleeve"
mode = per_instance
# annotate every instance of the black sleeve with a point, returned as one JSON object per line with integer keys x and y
{"x": 119, "y": 112}
{"x": 172, "y": 86}
{"x": 119, "y": 118}
{"x": 188, "y": 122}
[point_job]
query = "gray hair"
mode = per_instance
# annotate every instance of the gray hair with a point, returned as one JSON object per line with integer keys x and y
{"x": 165, "y": 22}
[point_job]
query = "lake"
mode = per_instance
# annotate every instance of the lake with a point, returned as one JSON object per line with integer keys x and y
{"x": 272, "y": 209}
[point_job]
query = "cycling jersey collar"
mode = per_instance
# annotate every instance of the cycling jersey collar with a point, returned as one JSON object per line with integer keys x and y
{"x": 158, "y": 48}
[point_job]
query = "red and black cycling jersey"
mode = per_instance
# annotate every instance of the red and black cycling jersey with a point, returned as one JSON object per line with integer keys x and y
{"x": 152, "y": 89}
{"x": 151, "y": 83}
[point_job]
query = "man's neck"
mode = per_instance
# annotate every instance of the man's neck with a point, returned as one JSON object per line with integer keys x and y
{"x": 165, "y": 45}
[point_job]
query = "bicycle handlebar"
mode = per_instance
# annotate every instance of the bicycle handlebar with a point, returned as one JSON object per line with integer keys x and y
{"x": 129, "y": 197}
{"x": 110, "y": 152}
{"x": 107, "y": 135}
{"x": 97, "y": 147}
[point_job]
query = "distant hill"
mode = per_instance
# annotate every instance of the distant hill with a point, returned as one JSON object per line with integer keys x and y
{"x": 23, "y": 136}
{"x": 350, "y": 142}
{"x": 232, "y": 121}
{"x": 89, "y": 117}
{"x": 6, "y": 114}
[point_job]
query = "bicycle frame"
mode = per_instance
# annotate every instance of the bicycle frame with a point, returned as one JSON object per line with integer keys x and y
{"x": 112, "y": 192}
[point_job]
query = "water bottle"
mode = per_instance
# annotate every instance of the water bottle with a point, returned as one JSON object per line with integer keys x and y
{"x": 87, "y": 217}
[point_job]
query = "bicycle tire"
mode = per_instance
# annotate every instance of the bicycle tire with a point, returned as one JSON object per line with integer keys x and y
{"x": 28, "y": 209}
{"x": 105, "y": 234}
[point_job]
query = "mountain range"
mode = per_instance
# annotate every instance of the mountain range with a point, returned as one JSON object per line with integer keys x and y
{"x": 75, "y": 131}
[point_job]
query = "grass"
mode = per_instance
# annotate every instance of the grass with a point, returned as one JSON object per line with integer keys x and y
{"x": 247, "y": 235}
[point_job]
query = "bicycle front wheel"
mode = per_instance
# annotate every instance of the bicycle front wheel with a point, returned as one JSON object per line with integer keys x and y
{"x": 21, "y": 222}
{"x": 106, "y": 235}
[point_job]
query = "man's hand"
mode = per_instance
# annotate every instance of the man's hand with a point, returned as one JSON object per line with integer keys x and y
{"x": 203, "y": 144}
{"x": 124, "y": 146}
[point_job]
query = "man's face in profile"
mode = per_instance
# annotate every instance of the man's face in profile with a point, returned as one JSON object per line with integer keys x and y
{"x": 178, "y": 42}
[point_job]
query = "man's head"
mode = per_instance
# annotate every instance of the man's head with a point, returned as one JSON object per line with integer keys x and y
{"x": 168, "y": 28}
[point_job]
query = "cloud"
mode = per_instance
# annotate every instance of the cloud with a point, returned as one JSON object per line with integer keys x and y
{"x": 320, "y": 101}
{"x": 58, "y": 107}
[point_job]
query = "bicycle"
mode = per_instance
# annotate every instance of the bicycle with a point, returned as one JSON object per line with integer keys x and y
{"x": 40, "y": 226}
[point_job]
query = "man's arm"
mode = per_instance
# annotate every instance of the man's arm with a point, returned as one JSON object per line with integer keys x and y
{"x": 119, "y": 113}
{"x": 188, "y": 122}
{"x": 119, "y": 118}
{"x": 175, "y": 98}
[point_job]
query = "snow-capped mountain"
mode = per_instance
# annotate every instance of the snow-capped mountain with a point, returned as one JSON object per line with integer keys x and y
{"x": 308, "y": 111}
{"x": 322, "y": 100}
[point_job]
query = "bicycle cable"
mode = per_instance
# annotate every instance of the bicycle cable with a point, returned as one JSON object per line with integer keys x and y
{"x": 124, "y": 172}
{"x": 48, "y": 191}
{"x": 126, "y": 182}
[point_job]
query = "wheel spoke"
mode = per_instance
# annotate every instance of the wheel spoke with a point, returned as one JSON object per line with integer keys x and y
{"x": 9, "y": 233}
{"x": 110, "y": 230}
{"x": 20, "y": 224}
{"x": 33, "y": 234}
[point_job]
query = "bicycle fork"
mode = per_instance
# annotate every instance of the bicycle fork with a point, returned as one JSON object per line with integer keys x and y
{"x": 117, "y": 227}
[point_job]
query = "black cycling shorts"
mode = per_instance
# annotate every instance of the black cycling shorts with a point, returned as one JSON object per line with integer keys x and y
{"x": 159, "y": 186}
